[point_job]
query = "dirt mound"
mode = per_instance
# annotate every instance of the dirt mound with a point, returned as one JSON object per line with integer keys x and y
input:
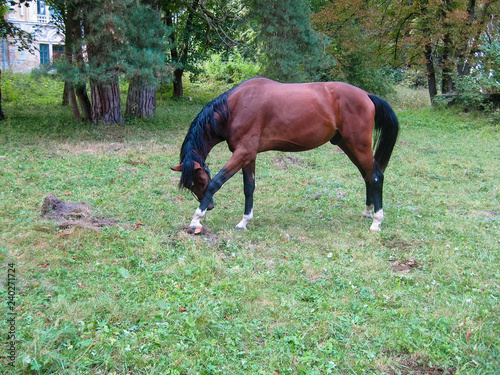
{"x": 69, "y": 214}
{"x": 403, "y": 267}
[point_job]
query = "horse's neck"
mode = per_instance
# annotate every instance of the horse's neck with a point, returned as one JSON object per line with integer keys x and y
{"x": 212, "y": 143}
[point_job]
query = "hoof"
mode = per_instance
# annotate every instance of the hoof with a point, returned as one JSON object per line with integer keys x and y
{"x": 375, "y": 230}
{"x": 367, "y": 216}
{"x": 195, "y": 230}
{"x": 242, "y": 225}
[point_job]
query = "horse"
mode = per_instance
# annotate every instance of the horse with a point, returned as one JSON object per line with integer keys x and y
{"x": 260, "y": 115}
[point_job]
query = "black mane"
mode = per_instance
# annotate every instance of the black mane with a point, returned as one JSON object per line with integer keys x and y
{"x": 203, "y": 128}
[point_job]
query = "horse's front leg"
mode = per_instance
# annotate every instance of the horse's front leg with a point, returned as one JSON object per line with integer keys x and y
{"x": 232, "y": 166}
{"x": 212, "y": 188}
{"x": 248, "y": 189}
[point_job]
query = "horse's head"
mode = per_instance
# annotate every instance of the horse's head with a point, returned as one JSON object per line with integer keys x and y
{"x": 199, "y": 184}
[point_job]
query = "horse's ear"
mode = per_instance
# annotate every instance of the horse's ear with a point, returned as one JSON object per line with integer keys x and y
{"x": 178, "y": 168}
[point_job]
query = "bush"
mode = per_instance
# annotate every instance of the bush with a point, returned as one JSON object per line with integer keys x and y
{"x": 234, "y": 69}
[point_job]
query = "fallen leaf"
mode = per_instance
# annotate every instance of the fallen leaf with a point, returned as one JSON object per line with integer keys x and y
{"x": 80, "y": 285}
{"x": 467, "y": 336}
{"x": 43, "y": 265}
{"x": 48, "y": 296}
{"x": 137, "y": 225}
{"x": 228, "y": 317}
{"x": 182, "y": 309}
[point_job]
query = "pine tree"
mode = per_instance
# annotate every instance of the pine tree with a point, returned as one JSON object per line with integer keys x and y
{"x": 289, "y": 49}
{"x": 104, "y": 28}
{"x": 145, "y": 50}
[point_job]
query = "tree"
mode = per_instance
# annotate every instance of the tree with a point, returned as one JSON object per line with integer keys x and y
{"x": 441, "y": 35}
{"x": 145, "y": 50}
{"x": 104, "y": 27}
{"x": 198, "y": 28}
{"x": 122, "y": 38}
{"x": 288, "y": 48}
{"x": 354, "y": 44}
{"x": 69, "y": 21}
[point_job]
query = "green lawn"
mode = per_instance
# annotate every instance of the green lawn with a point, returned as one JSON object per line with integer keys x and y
{"x": 307, "y": 290}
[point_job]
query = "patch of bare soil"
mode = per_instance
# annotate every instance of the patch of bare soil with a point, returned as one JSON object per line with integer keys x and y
{"x": 68, "y": 214}
{"x": 405, "y": 267}
{"x": 204, "y": 231}
{"x": 415, "y": 366}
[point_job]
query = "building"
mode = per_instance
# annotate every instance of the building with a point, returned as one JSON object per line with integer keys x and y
{"x": 37, "y": 20}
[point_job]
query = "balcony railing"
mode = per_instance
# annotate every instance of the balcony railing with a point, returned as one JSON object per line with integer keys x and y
{"x": 43, "y": 19}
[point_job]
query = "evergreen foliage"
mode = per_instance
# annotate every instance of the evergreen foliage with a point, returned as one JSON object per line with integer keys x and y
{"x": 289, "y": 50}
{"x": 146, "y": 46}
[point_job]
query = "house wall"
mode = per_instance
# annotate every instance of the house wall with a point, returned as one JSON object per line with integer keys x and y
{"x": 36, "y": 20}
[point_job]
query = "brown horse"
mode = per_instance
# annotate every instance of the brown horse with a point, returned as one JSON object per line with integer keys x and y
{"x": 260, "y": 115}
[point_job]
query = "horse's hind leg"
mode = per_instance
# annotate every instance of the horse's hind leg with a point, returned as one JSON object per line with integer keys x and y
{"x": 248, "y": 188}
{"x": 361, "y": 155}
{"x": 376, "y": 184}
{"x": 369, "y": 205}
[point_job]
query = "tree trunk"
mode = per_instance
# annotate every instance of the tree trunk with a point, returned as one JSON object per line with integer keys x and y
{"x": 83, "y": 99}
{"x": 2, "y": 116}
{"x": 69, "y": 89}
{"x": 141, "y": 100}
{"x": 178, "y": 87}
{"x": 65, "y": 96}
{"x": 106, "y": 105}
{"x": 181, "y": 59}
{"x": 71, "y": 99}
{"x": 431, "y": 73}
{"x": 174, "y": 53}
{"x": 447, "y": 78}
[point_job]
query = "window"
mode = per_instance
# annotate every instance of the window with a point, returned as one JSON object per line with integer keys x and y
{"x": 57, "y": 52}
{"x": 41, "y": 10}
{"x": 44, "y": 54}
{"x": 40, "y": 6}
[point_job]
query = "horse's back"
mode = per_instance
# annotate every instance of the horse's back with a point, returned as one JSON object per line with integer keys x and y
{"x": 292, "y": 116}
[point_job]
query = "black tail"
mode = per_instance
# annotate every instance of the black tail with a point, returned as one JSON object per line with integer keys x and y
{"x": 386, "y": 131}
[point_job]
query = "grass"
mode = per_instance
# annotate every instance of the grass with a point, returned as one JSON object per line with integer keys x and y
{"x": 307, "y": 290}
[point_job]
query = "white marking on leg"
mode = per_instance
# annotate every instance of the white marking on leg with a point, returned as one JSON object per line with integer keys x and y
{"x": 246, "y": 219}
{"x": 368, "y": 212}
{"x": 198, "y": 215}
{"x": 378, "y": 217}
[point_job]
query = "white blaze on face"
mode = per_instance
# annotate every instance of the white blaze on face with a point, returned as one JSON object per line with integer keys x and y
{"x": 246, "y": 219}
{"x": 378, "y": 217}
{"x": 198, "y": 216}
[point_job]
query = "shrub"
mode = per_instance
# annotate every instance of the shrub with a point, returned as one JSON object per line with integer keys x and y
{"x": 234, "y": 69}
